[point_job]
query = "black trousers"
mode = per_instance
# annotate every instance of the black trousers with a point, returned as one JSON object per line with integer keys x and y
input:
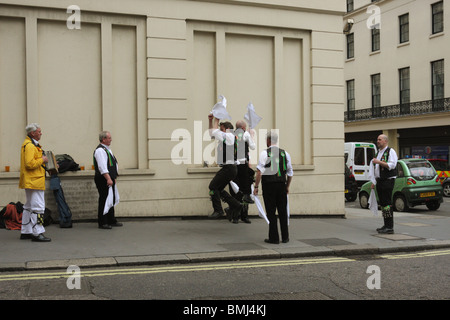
{"x": 243, "y": 178}
{"x": 275, "y": 199}
{"x": 217, "y": 185}
{"x": 102, "y": 188}
{"x": 384, "y": 191}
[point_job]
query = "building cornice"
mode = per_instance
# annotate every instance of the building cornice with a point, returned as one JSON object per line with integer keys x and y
{"x": 363, "y": 9}
{"x": 329, "y": 7}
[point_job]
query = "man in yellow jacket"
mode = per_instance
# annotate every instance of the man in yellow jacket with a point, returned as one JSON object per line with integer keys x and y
{"x": 32, "y": 179}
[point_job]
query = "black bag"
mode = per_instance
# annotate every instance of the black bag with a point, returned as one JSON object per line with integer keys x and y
{"x": 66, "y": 163}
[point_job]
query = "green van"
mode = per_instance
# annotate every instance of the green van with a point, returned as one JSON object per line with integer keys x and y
{"x": 417, "y": 183}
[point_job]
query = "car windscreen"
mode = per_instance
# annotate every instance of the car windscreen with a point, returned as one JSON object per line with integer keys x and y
{"x": 421, "y": 170}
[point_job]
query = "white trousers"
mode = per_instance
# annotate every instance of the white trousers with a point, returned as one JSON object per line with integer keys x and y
{"x": 35, "y": 203}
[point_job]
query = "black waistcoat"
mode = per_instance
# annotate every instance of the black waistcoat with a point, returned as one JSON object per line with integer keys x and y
{"x": 111, "y": 163}
{"x": 276, "y": 166}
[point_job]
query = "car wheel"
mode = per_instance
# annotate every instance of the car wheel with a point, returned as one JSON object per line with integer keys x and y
{"x": 400, "y": 204}
{"x": 433, "y": 205}
{"x": 446, "y": 187}
{"x": 364, "y": 200}
{"x": 350, "y": 197}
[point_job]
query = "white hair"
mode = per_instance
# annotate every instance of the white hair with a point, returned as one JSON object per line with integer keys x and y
{"x": 32, "y": 127}
{"x": 102, "y": 135}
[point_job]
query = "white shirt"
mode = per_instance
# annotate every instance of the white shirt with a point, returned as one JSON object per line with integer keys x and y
{"x": 392, "y": 161}
{"x": 221, "y": 136}
{"x": 263, "y": 160}
{"x": 102, "y": 159}
{"x": 251, "y": 144}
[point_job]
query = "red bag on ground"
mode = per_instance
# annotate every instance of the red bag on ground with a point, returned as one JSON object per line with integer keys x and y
{"x": 12, "y": 218}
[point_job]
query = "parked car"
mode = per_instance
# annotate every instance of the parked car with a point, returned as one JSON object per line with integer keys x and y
{"x": 357, "y": 157}
{"x": 446, "y": 186}
{"x": 417, "y": 183}
{"x": 351, "y": 186}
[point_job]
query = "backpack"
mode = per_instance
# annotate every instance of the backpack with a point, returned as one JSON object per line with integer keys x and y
{"x": 12, "y": 217}
{"x": 66, "y": 163}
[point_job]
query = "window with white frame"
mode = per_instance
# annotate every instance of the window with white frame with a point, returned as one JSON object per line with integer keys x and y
{"x": 437, "y": 10}
{"x": 404, "y": 28}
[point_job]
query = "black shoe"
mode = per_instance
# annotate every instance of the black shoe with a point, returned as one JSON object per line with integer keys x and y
{"x": 105, "y": 226}
{"x": 382, "y": 228}
{"x": 117, "y": 224}
{"x": 270, "y": 241}
{"x": 386, "y": 231}
{"x": 247, "y": 199}
{"x": 285, "y": 240}
{"x": 40, "y": 238}
{"x": 246, "y": 220}
{"x": 26, "y": 236}
{"x": 216, "y": 215}
{"x": 235, "y": 221}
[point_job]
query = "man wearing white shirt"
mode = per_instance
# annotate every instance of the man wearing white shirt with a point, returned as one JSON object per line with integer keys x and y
{"x": 275, "y": 171}
{"x": 106, "y": 172}
{"x": 244, "y": 177}
{"x": 244, "y": 144}
{"x": 385, "y": 173}
{"x": 226, "y": 159}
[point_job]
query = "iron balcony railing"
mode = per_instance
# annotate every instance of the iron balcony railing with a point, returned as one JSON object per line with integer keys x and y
{"x": 399, "y": 110}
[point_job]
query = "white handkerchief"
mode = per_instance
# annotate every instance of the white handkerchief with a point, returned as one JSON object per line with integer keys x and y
{"x": 110, "y": 200}
{"x": 219, "y": 110}
{"x": 287, "y": 208}
{"x": 234, "y": 186}
{"x": 251, "y": 117}
{"x": 373, "y": 204}
{"x": 261, "y": 212}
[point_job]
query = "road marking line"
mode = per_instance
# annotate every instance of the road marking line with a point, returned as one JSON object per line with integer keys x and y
{"x": 209, "y": 267}
{"x": 416, "y": 255}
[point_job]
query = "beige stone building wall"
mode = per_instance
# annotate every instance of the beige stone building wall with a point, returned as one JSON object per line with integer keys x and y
{"x": 150, "y": 72}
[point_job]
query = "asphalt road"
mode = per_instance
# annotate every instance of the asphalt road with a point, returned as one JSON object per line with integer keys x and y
{"x": 411, "y": 276}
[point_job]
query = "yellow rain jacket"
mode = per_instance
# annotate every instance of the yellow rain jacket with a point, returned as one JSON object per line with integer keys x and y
{"x": 32, "y": 172}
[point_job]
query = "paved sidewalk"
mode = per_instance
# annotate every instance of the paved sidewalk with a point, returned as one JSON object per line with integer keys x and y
{"x": 164, "y": 241}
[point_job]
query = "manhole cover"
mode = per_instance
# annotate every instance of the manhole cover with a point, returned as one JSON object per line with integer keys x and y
{"x": 325, "y": 242}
